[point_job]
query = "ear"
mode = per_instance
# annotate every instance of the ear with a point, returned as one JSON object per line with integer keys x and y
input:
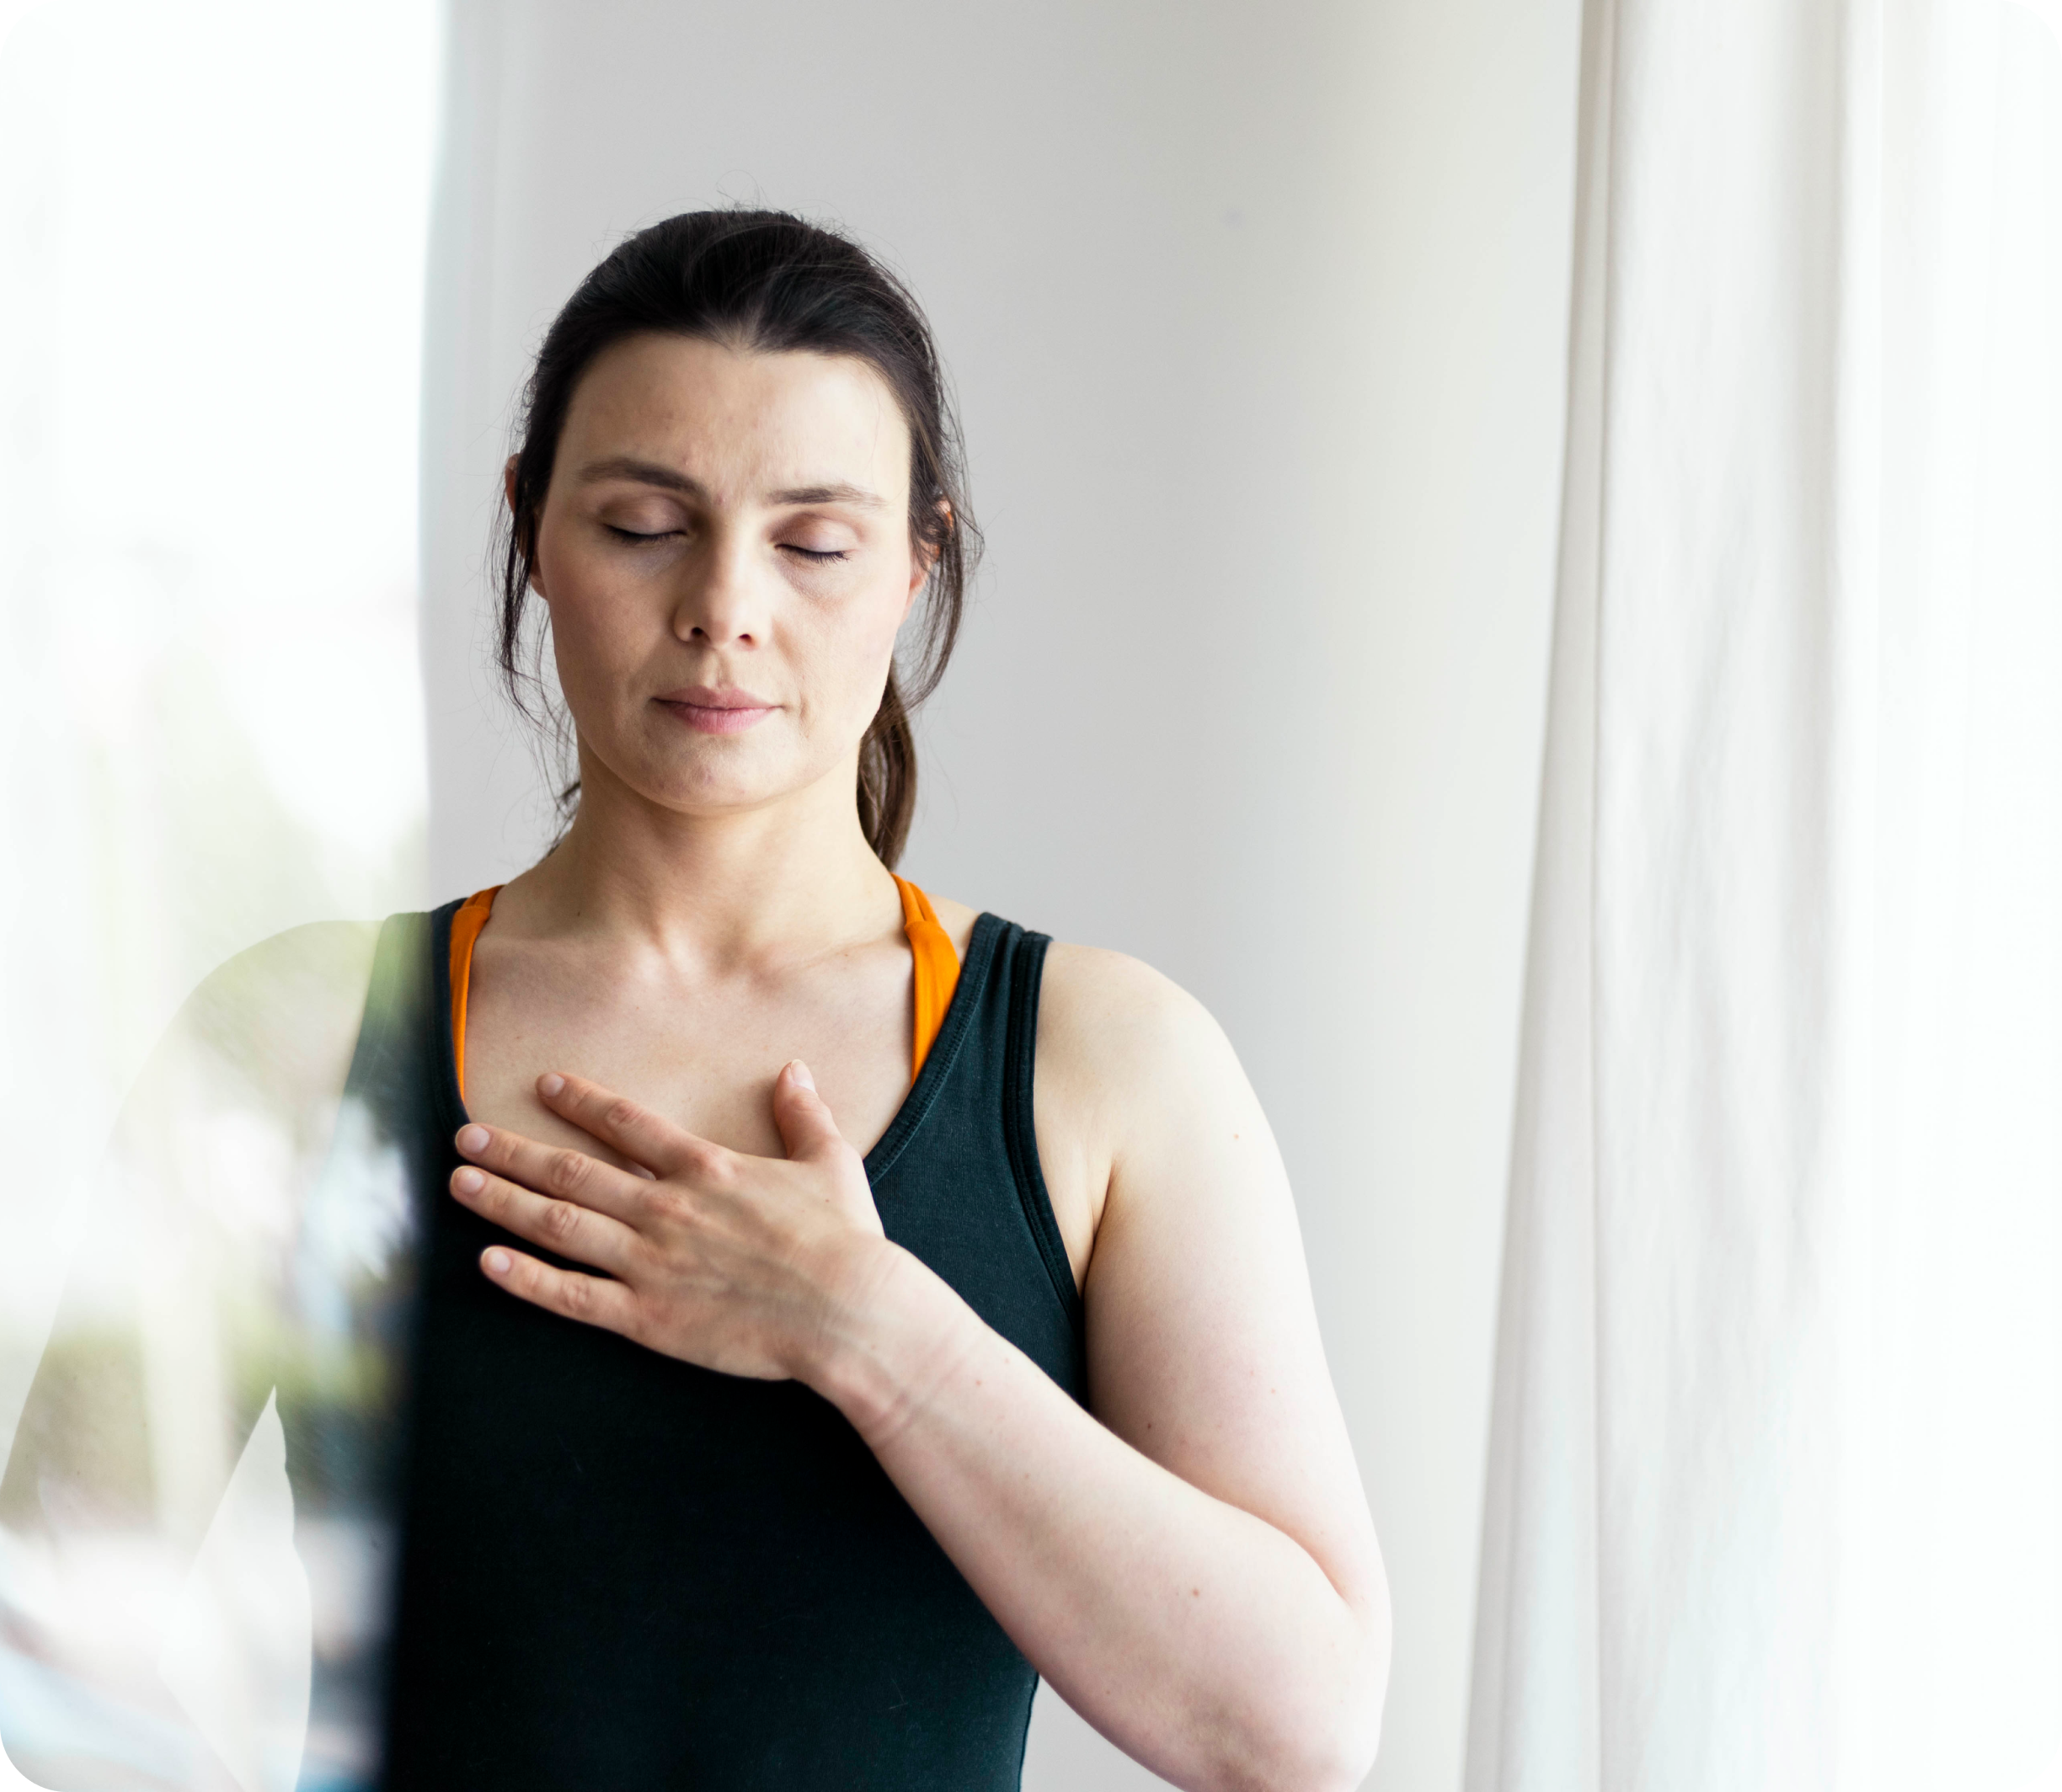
{"x": 925, "y": 559}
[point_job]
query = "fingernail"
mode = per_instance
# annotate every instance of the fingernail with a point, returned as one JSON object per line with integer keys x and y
{"x": 800, "y": 1072}
{"x": 472, "y": 1139}
{"x": 550, "y": 1084}
{"x": 497, "y": 1262}
{"x": 470, "y": 1181}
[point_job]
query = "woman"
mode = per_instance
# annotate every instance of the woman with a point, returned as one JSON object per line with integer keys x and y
{"x": 845, "y": 1307}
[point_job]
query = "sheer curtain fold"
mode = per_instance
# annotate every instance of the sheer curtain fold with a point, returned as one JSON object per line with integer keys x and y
{"x": 1763, "y": 1256}
{"x": 212, "y": 226}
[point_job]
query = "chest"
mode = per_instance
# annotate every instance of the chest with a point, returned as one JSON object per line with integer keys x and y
{"x": 734, "y": 1593}
{"x": 702, "y": 1049}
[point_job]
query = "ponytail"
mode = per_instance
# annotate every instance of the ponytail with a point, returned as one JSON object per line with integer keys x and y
{"x": 888, "y": 777}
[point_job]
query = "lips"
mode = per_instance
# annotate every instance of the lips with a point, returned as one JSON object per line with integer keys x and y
{"x": 709, "y": 710}
{"x": 709, "y": 696}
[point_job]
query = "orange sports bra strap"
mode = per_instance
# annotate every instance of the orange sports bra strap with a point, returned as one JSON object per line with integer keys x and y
{"x": 936, "y": 966}
{"x": 466, "y": 926}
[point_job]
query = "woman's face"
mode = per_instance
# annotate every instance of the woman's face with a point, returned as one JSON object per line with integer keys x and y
{"x": 725, "y": 551}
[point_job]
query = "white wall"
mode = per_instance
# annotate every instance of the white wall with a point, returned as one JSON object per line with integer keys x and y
{"x": 1257, "y": 317}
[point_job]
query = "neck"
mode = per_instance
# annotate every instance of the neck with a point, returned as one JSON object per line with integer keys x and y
{"x": 788, "y": 879}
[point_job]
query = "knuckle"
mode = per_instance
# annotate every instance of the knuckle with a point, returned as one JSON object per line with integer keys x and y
{"x": 559, "y": 1221}
{"x": 622, "y": 1115}
{"x": 669, "y": 1206}
{"x": 577, "y": 1295}
{"x": 566, "y": 1171}
{"x": 621, "y": 1312}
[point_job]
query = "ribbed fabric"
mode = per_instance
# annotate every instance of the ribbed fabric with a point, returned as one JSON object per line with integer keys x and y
{"x": 620, "y": 1571}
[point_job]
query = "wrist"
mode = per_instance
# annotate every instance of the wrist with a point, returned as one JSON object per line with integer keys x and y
{"x": 889, "y": 1333}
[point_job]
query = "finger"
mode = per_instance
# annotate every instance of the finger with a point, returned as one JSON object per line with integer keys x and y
{"x": 633, "y": 1132}
{"x": 562, "y": 1226}
{"x": 804, "y": 1118}
{"x": 555, "y": 1170}
{"x": 593, "y": 1300}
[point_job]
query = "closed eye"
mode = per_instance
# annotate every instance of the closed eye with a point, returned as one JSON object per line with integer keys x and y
{"x": 819, "y": 556}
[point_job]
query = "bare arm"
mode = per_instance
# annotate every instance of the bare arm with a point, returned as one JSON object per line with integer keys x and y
{"x": 160, "y": 1361}
{"x": 1195, "y": 1569}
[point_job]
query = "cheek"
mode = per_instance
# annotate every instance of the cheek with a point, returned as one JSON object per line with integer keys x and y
{"x": 849, "y": 646}
{"x": 580, "y": 652}
{"x": 873, "y": 628}
{"x": 595, "y": 628}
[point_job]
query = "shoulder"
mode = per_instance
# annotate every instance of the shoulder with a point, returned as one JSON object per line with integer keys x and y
{"x": 284, "y": 1013}
{"x": 305, "y": 971}
{"x": 957, "y": 920}
{"x": 302, "y": 959}
{"x": 1141, "y": 1103}
{"x": 1121, "y": 1045}
{"x": 1094, "y": 986}
{"x": 1108, "y": 1022}
{"x": 1114, "y": 1014}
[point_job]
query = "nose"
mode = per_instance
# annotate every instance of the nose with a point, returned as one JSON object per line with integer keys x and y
{"x": 722, "y": 598}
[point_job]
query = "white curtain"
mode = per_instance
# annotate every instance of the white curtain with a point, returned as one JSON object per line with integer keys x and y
{"x": 213, "y": 223}
{"x": 1775, "y": 1461}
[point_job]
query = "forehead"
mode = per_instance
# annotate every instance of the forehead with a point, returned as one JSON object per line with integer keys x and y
{"x": 739, "y": 420}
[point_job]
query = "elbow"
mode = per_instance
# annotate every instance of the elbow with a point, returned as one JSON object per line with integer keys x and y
{"x": 1350, "y": 1756}
{"x": 1338, "y": 1751}
{"x": 1325, "y": 1741}
{"x": 1333, "y": 1757}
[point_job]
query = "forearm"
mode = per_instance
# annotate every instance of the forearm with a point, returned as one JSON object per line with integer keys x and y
{"x": 1205, "y": 1642}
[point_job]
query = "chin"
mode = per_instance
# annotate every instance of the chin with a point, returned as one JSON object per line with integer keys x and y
{"x": 714, "y": 783}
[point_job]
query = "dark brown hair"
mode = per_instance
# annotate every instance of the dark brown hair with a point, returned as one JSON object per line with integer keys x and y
{"x": 768, "y": 281}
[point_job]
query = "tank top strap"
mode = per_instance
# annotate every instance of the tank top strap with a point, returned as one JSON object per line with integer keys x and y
{"x": 961, "y": 1160}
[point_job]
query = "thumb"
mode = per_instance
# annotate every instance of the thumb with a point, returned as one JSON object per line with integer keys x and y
{"x": 805, "y": 1124}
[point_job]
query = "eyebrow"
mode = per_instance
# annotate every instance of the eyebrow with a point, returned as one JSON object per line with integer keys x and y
{"x": 653, "y": 473}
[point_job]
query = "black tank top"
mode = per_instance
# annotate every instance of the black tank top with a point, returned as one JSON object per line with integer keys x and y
{"x": 618, "y": 1570}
